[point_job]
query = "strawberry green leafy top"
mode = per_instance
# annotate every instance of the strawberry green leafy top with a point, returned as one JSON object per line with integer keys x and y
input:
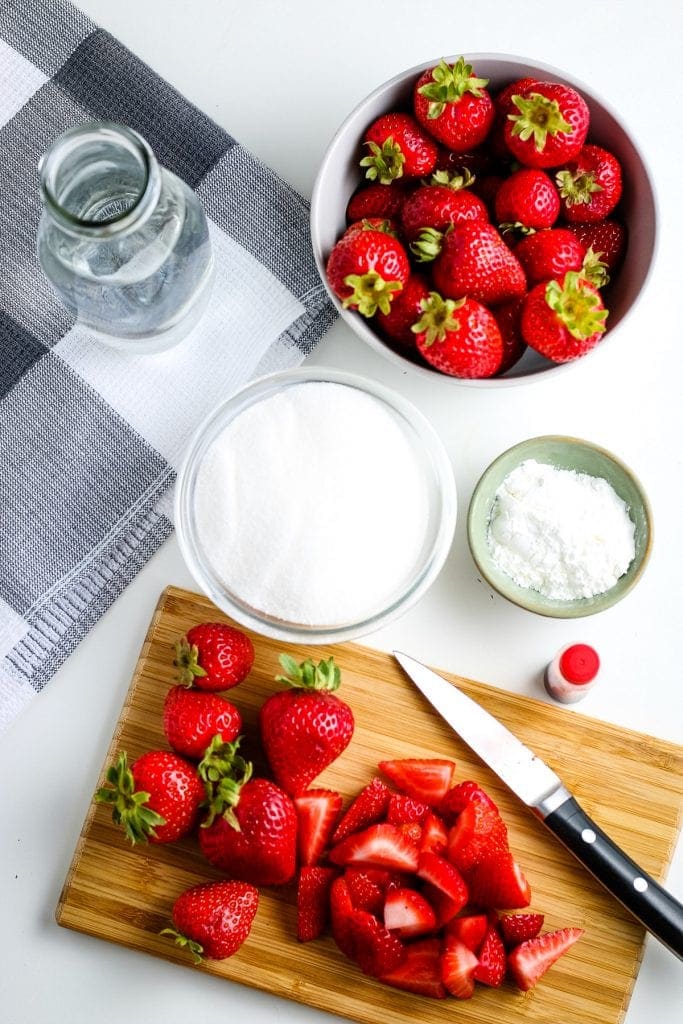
{"x": 449, "y": 85}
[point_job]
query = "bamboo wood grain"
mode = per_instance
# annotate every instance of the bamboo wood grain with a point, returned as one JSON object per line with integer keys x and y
{"x": 630, "y": 783}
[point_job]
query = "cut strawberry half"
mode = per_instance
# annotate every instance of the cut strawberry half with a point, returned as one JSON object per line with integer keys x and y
{"x": 457, "y": 968}
{"x": 491, "y": 967}
{"x": 408, "y": 913}
{"x": 406, "y": 809}
{"x": 367, "y": 888}
{"x": 516, "y": 928}
{"x": 425, "y": 779}
{"x": 531, "y": 959}
{"x": 420, "y": 971}
{"x": 478, "y": 833}
{"x": 341, "y": 909}
{"x": 470, "y": 929}
{"x": 369, "y": 806}
{"x": 434, "y": 834}
{"x": 317, "y": 811}
{"x": 375, "y": 949}
{"x": 313, "y": 902}
{"x": 461, "y": 796}
{"x": 380, "y": 846}
{"x": 499, "y": 882}
{"x": 442, "y": 875}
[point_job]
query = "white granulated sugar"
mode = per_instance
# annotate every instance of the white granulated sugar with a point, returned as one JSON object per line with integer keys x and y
{"x": 312, "y": 506}
{"x": 565, "y": 534}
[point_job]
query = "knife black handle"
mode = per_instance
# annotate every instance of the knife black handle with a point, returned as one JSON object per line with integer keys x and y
{"x": 652, "y": 905}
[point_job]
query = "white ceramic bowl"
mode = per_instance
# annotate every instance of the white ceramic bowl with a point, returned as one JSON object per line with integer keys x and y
{"x": 339, "y": 176}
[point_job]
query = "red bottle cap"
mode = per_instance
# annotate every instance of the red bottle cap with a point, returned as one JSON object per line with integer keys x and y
{"x": 579, "y": 664}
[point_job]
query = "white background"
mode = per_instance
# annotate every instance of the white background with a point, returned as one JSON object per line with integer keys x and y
{"x": 281, "y": 77}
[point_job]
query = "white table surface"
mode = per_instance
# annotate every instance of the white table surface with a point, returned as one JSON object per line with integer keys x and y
{"x": 281, "y": 77}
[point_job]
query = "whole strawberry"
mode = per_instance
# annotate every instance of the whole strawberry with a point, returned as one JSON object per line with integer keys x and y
{"x": 438, "y": 206}
{"x": 549, "y": 254}
{"x": 250, "y": 830}
{"x": 548, "y": 125}
{"x": 406, "y": 310}
{"x": 212, "y": 920}
{"x": 502, "y": 106}
{"x": 590, "y": 185}
{"x": 398, "y": 148}
{"x": 156, "y": 799}
{"x": 607, "y": 239}
{"x": 214, "y": 656}
{"x": 475, "y": 262}
{"x": 193, "y": 717}
{"x": 507, "y": 316}
{"x": 365, "y": 269}
{"x": 453, "y": 105}
{"x": 384, "y": 201}
{"x": 563, "y": 319}
{"x": 305, "y": 728}
{"x": 459, "y": 338}
{"x": 528, "y": 199}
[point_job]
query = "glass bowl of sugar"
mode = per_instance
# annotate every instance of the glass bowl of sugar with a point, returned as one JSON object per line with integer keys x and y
{"x": 315, "y": 506}
{"x": 560, "y": 526}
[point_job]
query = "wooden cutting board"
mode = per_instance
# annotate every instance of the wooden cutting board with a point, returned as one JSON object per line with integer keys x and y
{"x": 630, "y": 783}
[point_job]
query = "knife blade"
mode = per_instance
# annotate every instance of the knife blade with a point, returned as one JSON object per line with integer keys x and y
{"x": 537, "y": 785}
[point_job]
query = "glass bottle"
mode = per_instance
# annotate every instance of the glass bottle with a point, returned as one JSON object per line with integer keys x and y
{"x": 124, "y": 242}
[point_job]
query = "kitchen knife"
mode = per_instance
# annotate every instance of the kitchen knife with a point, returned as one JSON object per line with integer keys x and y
{"x": 542, "y": 790}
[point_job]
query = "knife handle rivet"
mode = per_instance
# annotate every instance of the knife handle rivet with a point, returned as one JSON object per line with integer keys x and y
{"x": 588, "y": 835}
{"x": 639, "y": 884}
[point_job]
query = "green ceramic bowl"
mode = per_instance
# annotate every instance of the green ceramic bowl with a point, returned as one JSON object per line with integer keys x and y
{"x": 563, "y": 453}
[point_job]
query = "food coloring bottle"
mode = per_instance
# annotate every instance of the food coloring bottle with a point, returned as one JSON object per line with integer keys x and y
{"x": 572, "y": 673}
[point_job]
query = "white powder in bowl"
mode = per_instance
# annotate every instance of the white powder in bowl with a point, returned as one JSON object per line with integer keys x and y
{"x": 312, "y": 506}
{"x": 567, "y": 535}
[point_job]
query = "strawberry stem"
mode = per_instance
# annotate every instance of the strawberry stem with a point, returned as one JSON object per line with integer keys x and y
{"x": 223, "y": 772}
{"x": 195, "y": 948}
{"x": 437, "y": 318}
{"x": 594, "y": 269}
{"x": 428, "y": 244}
{"x": 370, "y": 292}
{"x": 187, "y": 662}
{"x": 577, "y": 188}
{"x": 449, "y": 84}
{"x": 384, "y": 163}
{"x": 129, "y": 808}
{"x": 576, "y": 305}
{"x": 538, "y": 117}
{"x": 309, "y": 676}
{"x": 455, "y": 180}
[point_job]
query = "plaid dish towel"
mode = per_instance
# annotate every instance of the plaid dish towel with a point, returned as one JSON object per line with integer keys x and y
{"x": 90, "y": 438}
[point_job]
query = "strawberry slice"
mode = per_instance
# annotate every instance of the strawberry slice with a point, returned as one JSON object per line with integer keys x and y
{"x": 408, "y": 913}
{"x": 369, "y": 806}
{"x": 470, "y": 930}
{"x": 443, "y": 876}
{"x": 499, "y": 882}
{"x": 367, "y": 888}
{"x": 531, "y": 959}
{"x": 313, "y": 902}
{"x": 491, "y": 967}
{"x": 425, "y": 779}
{"x": 380, "y": 846}
{"x": 341, "y": 909}
{"x": 479, "y": 832}
{"x": 420, "y": 971}
{"x": 406, "y": 809}
{"x": 461, "y": 796}
{"x": 412, "y": 831}
{"x": 317, "y": 811}
{"x": 516, "y": 928}
{"x": 434, "y": 834}
{"x": 375, "y": 949}
{"x": 457, "y": 968}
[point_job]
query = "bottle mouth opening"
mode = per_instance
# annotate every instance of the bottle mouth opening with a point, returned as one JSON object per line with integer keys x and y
{"x": 99, "y": 178}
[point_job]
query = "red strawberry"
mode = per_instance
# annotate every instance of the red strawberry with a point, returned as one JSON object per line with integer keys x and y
{"x": 374, "y": 948}
{"x": 367, "y": 888}
{"x": 499, "y": 882}
{"x": 408, "y": 914}
{"x": 453, "y": 105}
{"x": 470, "y": 930}
{"x": 365, "y": 269}
{"x": 193, "y": 717}
{"x": 422, "y": 778}
{"x": 478, "y": 832}
{"x": 341, "y": 910}
{"x": 214, "y": 656}
{"x": 317, "y": 811}
{"x": 516, "y": 928}
{"x": 563, "y": 319}
{"x": 590, "y": 185}
{"x": 491, "y": 967}
{"x": 486, "y": 188}
{"x": 213, "y": 919}
{"x": 527, "y": 198}
{"x": 420, "y": 971}
{"x": 404, "y": 808}
{"x": 375, "y": 200}
{"x": 457, "y": 968}
{"x": 548, "y": 125}
{"x": 475, "y": 262}
{"x": 380, "y": 846}
{"x": 304, "y": 729}
{"x": 313, "y": 902}
{"x": 459, "y": 337}
{"x": 156, "y": 800}
{"x": 442, "y": 875}
{"x": 461, "y": 796}
{"x": 503, "y": 105}
{"x": 251, "y": 824}
{"x": 398, "y": 148}
{"x": 507, "y": 316}
{"x": 369, "y": 806}
{"x": 549, "y": 254}
{"x": 405, "y": 310}
{"x": 413, "y": 831}
{"x": 607, "y": 239}
{"x": 434, "y": 834}
{"x": 439, "y": 206}
{"x": 389, "y": 227}
{"x": 531, "y": 959}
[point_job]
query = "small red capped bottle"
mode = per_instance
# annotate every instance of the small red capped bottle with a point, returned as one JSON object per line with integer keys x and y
{"x": 572, "y": 673}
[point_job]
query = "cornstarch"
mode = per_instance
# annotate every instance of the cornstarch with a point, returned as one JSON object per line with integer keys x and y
{"x": 567, "y": 535}
{"x": 312, "y": 506}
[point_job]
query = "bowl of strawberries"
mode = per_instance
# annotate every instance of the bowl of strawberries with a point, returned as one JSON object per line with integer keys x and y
{"x": 484, "y": 218}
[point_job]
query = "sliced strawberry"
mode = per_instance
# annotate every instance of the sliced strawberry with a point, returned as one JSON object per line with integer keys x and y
{"x": 408, "y": 913}
{"x": 491, "y": 967}
{"x": 367, "y": 888}
{"x": 380, "y": 846}
{"x": 470, "y": 930}
{"x": 499, "y": 882}
{"x": 457, "y": 968}
{"x": 369, "y": 806}
{"x": 460, "y": 796}
{"x": 313, "y": 902}
{"x": 445, "y": 907}
{"x": 434, "y": 834}
{"x": 437, "y": 871}
{"x": 479, "y": 832}
{"x": 317, "y": 811}
{"x": 420, "y": 971}
{"x": 425, "y": 779}
{"x": 341, "y": 909}
{"x": 412, "y": 831}
{"x": 375, "y": 949}
{"x": 404, "y": 808}
{"x": 531, "y": 959}
{"x": 516, "y": 928}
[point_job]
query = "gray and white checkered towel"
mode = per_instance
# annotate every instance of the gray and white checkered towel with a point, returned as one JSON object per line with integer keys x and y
{"x": 90, "y": 438}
